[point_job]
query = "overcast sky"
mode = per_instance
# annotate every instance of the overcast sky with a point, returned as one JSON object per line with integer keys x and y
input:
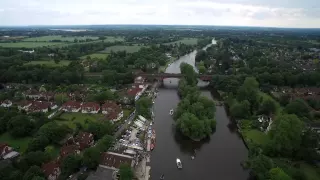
{"x": 274, "y": 13}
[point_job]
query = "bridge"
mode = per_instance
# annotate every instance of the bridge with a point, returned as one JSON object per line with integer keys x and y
{"x": 161, "y": 76}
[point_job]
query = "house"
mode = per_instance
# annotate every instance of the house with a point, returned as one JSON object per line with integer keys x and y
{"x": 24, "y": 105}
{"x": 113, "y": 160}
{"x": 71, "y": 106}
{"x": 39, "y": 106}
{"x": 51, "y": 170}
{"x": 6, "y": 103}
{"x": 137, "y": 90}
{"x": 139, "y": 80}
{"x": 7, "y": 152}
{"x": 69, "y": 149}
{"x": 90, "y": 107}
{"x": 33, "y": 94}
{"x": 112, "y": 110}
{"x": 85, "y": 140}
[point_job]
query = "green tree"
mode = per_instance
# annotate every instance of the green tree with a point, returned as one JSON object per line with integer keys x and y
{"x": 70, "y": 164}
{"x": 298, "y": 107}
{"x": 201, "y": 55}
{"x": 260, "y": 166}
{"x": 20, "y": 126}
{"x": 286, "y": 134}
{"x": 105, "y": 143}
{"x": 126, "y": 172}
{"x": 249, "y": 91}
{"x": 99, "y": 129}
{"x": 268, "y": 107}
{"x": 278, "y": 174}
{"x": 36, "y": 158}
{"x": 143, "y": 106}
{"x": 201, "y": 69}
{"x": 91, "y": 157}
{"x": 38, "y": 143}
{"x": 240, "y": 110}
{"x": 32, "y": 172}
{"x": 16, "y": 175}
{"x": 61, "y": 98}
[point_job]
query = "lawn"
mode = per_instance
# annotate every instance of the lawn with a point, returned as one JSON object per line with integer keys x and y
{"x": 29, "y": 44}
{"x": 129, "y": 49}
{"x": 95, "y": 55}
{"x": 67, "y": 38}
{"x": 256, "y": 136}
{"x": 311, "y": 172}
{"x": 49, "y": 63}
{"x": 70, "y": 119}
{"x": 20, "y": 144}
{"x": 188, "y": 41}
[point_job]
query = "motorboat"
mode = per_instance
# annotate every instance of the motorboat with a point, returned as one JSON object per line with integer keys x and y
{"x": 171, "y": 112}
{"x": 192, "y": 157}
{"x": 179, "y": 164}
{"x": 162, "y": 177}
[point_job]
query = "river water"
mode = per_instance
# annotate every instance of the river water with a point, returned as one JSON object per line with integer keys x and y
{"x": 217, "y": 157}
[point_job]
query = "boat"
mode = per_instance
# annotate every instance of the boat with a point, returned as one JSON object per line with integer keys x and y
{"x": 171, "y": 112}
{"x": 179, "y": 164}
{"x": 153, "y": 140}
{"x": 192, "y": 157}
{"x": 162, "y": 177}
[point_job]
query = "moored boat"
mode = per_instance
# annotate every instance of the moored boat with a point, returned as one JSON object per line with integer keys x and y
{"x": 179, "y": 164}
{"x": 171, "y": 112}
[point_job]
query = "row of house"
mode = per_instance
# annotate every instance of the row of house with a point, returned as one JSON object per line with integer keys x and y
{"x": 75, "y": 145}
{"x": 109, "y": 108}
{"x": 37, "y": 106}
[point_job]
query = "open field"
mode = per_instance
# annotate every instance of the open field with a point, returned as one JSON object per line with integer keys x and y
{"x": 95, "y": 55}
{"x": 256, "y": 137}
{"x": 113, "y": 38}
{"x": 129, "y": 49}
{"x": 29, "y": 44}
{"x": 70, "y": 119}
{"x": 61, "y": 38}
{"x": 19, "y": 144}
{"x": 188, "y": 41}
{"x": 49, "y": 63}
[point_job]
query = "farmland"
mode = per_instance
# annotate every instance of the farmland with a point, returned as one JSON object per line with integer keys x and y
{"x": 95, "y": 55}
{"x": 29, "y": 44}
{"x": 61, "y": 38}
{"x": 129, "y": 49}
{"x": 113, "y": 39}
{"x": 50, "y": 63}
{"x": 188, "y": 41}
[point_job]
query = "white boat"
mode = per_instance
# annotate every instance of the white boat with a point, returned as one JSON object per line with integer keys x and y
{"x": 171, "y": 112}
{"x": 179, "y": 164}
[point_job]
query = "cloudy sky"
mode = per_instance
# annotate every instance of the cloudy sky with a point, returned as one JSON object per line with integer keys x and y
{"x": 274, "y": 13}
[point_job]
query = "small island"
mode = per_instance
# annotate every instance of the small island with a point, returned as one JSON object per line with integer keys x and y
{"x": 194, "y": 115}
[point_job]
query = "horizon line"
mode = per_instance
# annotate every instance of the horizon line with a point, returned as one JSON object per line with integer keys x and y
{"x": 46, "y": 25}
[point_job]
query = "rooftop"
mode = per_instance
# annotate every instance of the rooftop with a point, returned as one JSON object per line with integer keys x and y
{"x": 114, "y": 160}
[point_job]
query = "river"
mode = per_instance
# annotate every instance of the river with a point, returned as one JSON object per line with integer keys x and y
{"x": 217, "y": 158}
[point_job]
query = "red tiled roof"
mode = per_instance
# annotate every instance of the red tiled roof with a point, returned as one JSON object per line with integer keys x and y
{"x": 72, "y": 104}
{"x": 134, "y": 91}
{"x": 39, "y": 105}
{"x": 84, "y": 139}
{"x": 90, "y": 105}
{"x": 69, "y": 149}
{"x": 50, "y": 168}
{"x": 24, "y": 103}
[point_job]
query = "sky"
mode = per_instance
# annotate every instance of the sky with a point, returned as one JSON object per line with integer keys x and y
{"x": 266, "y": 13}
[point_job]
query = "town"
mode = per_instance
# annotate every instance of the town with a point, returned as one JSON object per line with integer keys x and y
{"x": 149, "y": 102}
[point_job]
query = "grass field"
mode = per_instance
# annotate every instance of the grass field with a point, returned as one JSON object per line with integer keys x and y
{"x": 49, "y": 63}
{"x": 129, "y": 49}
{"x": 72, "y": 118}
{"x": 256, "y": 136}
{"x": 188, "y": 41}
{"x": 68, "y": 38}
{"x": 95, "y": 55}
{"x": 29, "y": 44}
{"x": 19, "y": 144}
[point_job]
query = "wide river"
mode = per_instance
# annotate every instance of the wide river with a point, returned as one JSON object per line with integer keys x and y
{"x": 217, "y": 158}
